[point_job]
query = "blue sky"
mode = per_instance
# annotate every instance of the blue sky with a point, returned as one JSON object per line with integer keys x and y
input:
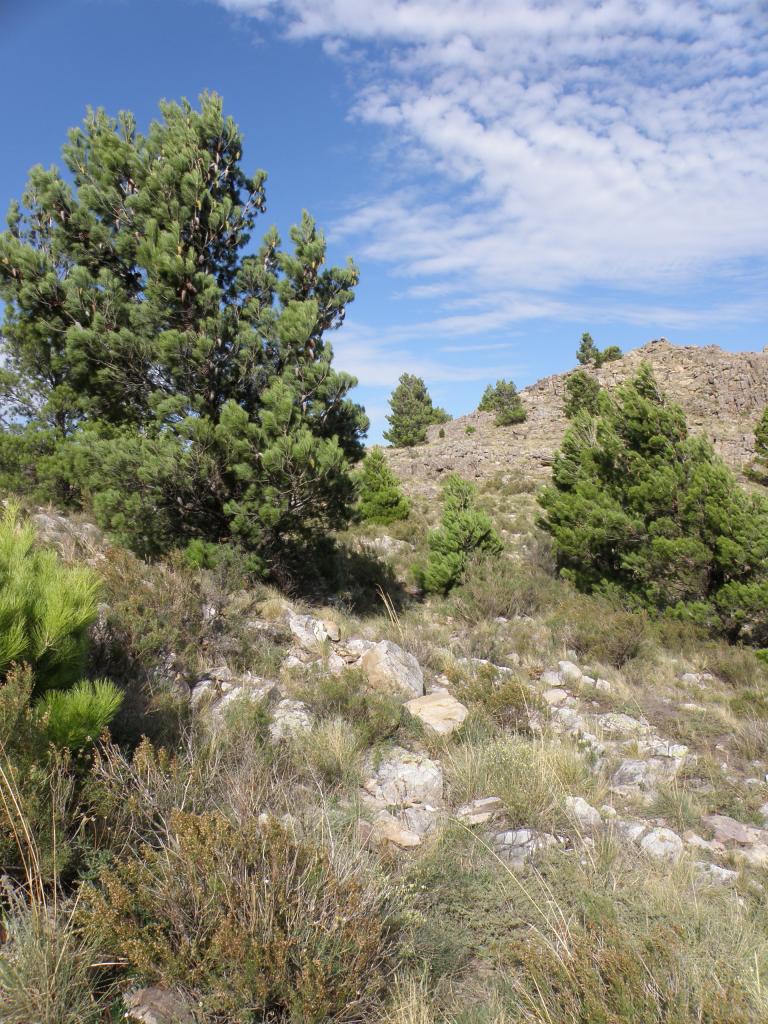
{"x": 506, "y": 174}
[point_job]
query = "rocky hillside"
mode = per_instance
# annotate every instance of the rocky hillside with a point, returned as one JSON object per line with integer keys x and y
{"x": 722, "y": 393}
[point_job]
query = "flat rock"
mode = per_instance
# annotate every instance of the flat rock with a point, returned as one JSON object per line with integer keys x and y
{"x": 387, "y": 829}
{"x": 439, "y": 711}
{"x": 390, "y": 669}
{"x": 555, "y": 696}
{"x": 616, "y": 724}
{"x": 733, "y": 833}
{"x": 479, "y": 812}
{"x": 157, "y": 1005}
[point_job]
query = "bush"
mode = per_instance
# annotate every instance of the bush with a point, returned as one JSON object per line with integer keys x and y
{"x": 412, "y": 413}
{"x": 502, "y": 398}
{"x": 251, "y": 921}
{"x": 381, "y": 498}
{"x": 464, "y": 530}
{"x": 588, "y": 352}
{"x": 157, "y": 373}
{"x": 494, "y": 587}
{"x": 641, "y": 508}
{"x": 582, "y": 392}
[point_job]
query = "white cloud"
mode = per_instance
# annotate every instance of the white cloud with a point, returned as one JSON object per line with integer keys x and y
{"x": 620, "y": 144}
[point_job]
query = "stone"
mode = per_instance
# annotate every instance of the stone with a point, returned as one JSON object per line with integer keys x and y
{"x": 638, "y": 774}
{"x": 717, "y": 873}
{"x": 311, "y": 633}
{"x": 550, "y": 679}
{"x": 632, "y": 831}
{"x": 615, "y": 724}
{"x": 604, "y": 685}
{"x": 403, "y": 778}
{"x": 289, "y": 718}
{"x": 332, "y": 630}
{"x": 518, "y": 845}
{"x": 439, "y": 711}
{"x": 662, "y": 844}
{"x": 479, "y": 812}
{"x": 568, "y": 672}
{"x": 386, "y": 828}
{"x": 568, "y": 720}
{"x": 731, "y": 832}
{"x": 585, "y": 815}
{"x": 390, "y": 669}
{"x": 555, "y": 696}
{"x": 157, "y": 1005}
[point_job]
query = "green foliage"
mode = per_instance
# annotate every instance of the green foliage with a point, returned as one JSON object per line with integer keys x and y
{"x": 412, "y": 413}
{"x": 45, "y": 607}
{"x": 252, "y": 922}
{"x": 153, "y": 371}
{"x": 641, "y": 508}
{"x": 464, "y": 530}
{"x": 759, "y": 468}
{"x": 381, "y": 498}
{"x": 74, "y": 718}
{"x": 582, "y": 394}
{"x": 588, "y": 352}
{"x": 503, "y": 399}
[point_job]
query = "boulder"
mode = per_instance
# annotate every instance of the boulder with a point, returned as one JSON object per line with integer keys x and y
{"x": 289, "y": 718}
{"x": 312, "y": 633}
{"x": 390, "y": 669}
{"x": 387, "y": 829}
{"x": 404, "y": 778}
{"x": 555, "y": 696}
{"x": 479, "y": 812}
{"x": 662, "y": 844}
{"x": 585, "y": 815}
{"x": 568, "y": 672}
{"x": 439, "y": 711}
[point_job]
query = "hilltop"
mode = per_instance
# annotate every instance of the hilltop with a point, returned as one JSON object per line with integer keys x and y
{"x": 722, "y": 394}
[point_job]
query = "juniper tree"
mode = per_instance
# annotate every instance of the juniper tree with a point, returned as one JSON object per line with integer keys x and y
{"x": 502, "y": 398}
{"x": 158, "y": 366}
{"x": 381, "y": 498}
{"x": 641, "y": 508}
{"x": 412, "y": 413}
{"x": 464, "y": 530}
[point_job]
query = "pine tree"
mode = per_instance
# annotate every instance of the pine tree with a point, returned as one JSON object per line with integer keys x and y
{"x": 381, "y": 498}
{"x": 178, "y": 384}
{"x": 464, "y": 530}
{"x": 503, "y": 399}
{"x": 587, "y": 351}
{"x": 582, "y": 392}
{"x": 759, "y": 468}
{"x": 639, "y": 507}
{"x": 412, "y": 413}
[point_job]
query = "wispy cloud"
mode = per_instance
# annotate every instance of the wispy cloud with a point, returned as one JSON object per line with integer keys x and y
{"x": 549, "y": 147}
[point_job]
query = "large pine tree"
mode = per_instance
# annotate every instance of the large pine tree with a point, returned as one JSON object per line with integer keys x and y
{"x": 155, "y": 365}
{"x": 640, "y": 507}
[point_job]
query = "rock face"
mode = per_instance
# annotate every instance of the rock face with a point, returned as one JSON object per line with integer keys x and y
{"x": 390, "y": 669}
{"x": 723, "y": 395}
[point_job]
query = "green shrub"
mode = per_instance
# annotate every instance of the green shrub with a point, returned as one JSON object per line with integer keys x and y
{"x": 252, "y": 922}
{"x": 588, "y": 352}
{"x": 45, "y": 607}
{"x": 493, "y": 587}
{"x": 464, "y": 530}
{"x": 759, "y": 468}
{"x": 381, "y": 498}
{"x": 73, "y": 718}
{"x": 412, "y": 413}
{"x": 640, "y": 507}
{"x": 376, "y": 717}
{"x": 582, "y": 392}
{"x": 502, "y": 398}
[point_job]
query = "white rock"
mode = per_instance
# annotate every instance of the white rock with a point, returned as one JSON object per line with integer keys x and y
{"x": 441, "y": 712}
{"x": 390, "y": 669}
{"x": 615, "y": 724}
{"x": 386, "y": 828}
{"x": 586, "y": 816}
{"x": 662, "y": 844}
{"x": 604, "y": 685}
{"x": 632, "y": 831}
{"x": 289, "y": 718}
{"x": 568, "y": 672}
{"x": 550, "y": 679}
{"x": 404, "y": 778}
{"x": 478, "y": 812}
{"x": 310, "y": 632}
{"x": 555, "y": 696}
{"x": 717, "y": 873}
{"x": 157, "y": 1005}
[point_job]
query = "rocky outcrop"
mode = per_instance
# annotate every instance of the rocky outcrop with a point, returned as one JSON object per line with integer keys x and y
{"x": 723, "y": 395}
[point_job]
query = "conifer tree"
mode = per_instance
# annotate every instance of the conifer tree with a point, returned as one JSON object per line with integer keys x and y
{"x": 381, "y": 498}
{"x": 464, "y": 530}
{"x": 759, "y": 468}
{"x": 640, "y": 507}
{"x": 503, "y": 399}
{"x": 582, "y": 392}
{"x": 588, "y": 350}
{"x": 157, "y": 369}
{"x": 412, "y": 413}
